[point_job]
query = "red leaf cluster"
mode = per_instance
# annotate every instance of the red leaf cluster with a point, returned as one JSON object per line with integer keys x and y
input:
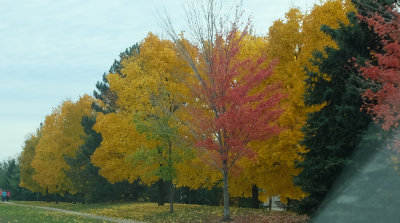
{"x": 242, "y": 111}
{"x": 384, "y": 71}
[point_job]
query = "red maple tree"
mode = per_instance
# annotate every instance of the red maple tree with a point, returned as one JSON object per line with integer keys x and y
{"x": 384, "y": 70}
{"x": 242, "y": 107}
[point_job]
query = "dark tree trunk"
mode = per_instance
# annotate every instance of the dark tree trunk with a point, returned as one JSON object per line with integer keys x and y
{"x": 227, "y": 215}
{"x": 171, "y": 197}
{"x": 270, "y": 203}
{"x": 161, "y": 192}
{"x": 171, "y": 185}
{"x": 47, "y": 195}
{"x": 255, "y": 203}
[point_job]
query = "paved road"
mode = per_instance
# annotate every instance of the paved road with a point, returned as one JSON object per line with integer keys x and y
{"x": 369, "y": 193}
{"x": 105, "y": 218}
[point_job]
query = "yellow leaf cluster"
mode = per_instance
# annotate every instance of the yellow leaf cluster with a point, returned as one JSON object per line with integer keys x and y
{"x": 331, "y": 13}
{"x": 195, "y": 173}
{"x": 25, "y": 163}
{"x": 120, "y": 139}
{"x": 156, "y": 68}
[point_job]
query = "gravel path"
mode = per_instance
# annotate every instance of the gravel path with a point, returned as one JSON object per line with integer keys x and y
{"x": 105, "y": 218}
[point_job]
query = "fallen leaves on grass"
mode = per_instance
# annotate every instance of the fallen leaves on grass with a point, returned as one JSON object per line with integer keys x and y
{"x": 151, "y": 212}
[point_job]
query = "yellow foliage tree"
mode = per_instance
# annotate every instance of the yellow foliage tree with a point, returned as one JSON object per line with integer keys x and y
{"x": 141, "y": 76}
{"x": 25, "y": 163}
{"x": 60, "y": 137}
{"x": 144, "y": 138}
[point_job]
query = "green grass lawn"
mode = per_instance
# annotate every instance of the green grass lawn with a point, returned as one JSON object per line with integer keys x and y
{"x": 13, "y": 213}
{"x": 150, "y": 212}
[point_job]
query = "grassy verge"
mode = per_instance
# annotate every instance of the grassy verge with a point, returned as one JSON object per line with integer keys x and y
{"x": 150, "y": 212}
{"x": 14, "y": 213}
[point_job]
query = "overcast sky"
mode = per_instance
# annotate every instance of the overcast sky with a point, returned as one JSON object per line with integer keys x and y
{"x": 54, "y": 50}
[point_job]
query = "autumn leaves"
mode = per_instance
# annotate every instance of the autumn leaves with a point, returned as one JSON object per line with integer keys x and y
{"x": 228, "y": 111}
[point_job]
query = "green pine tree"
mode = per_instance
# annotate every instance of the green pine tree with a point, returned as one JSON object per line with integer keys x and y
{"x": 333, "y": 133}
{"x": 90, "y": 185}
{"x": 85, "y": 176}
{"x": 83, "y": 173}
{"x": 10, "y": 178}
